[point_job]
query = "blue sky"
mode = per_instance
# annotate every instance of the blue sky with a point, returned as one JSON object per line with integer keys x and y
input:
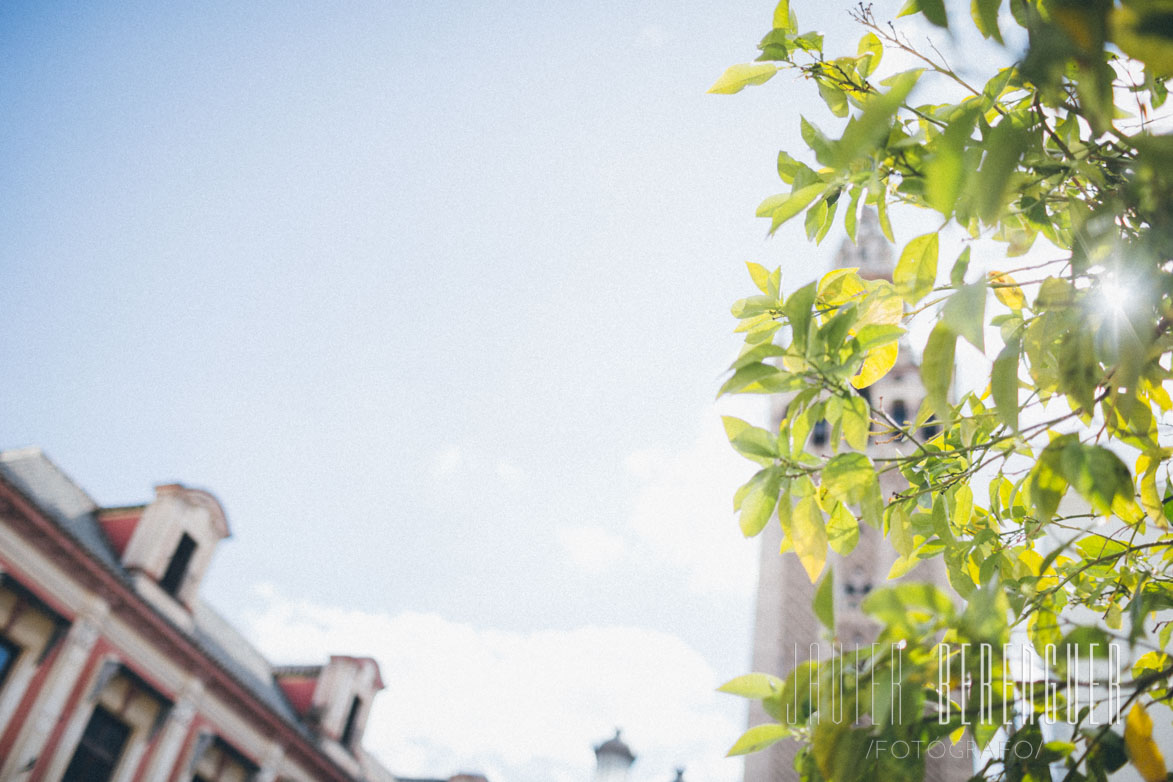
{"x": 434, "y": 298}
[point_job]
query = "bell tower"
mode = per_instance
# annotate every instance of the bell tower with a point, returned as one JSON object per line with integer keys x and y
{"x": 786, "y": 631}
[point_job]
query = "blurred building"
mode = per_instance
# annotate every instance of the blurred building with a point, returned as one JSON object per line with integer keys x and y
{"x": 785, "y": 627}
{"x": 113, "y": 669}
{"x": 613, "y": 759}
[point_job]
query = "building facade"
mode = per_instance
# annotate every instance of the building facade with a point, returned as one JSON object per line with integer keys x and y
{"x": 785, "y": 627}
{"x": 113, "y": 670}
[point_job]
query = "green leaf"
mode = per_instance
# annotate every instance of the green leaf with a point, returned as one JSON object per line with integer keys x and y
{"x": 852, "y": 216}
{"x": 824, "y": 602}
{"x": 792, "y": 205}
{"x": 747, "y": 376}
{"x": 1143, "y": 32}
{"x": 758, "y": 505}
{"x": 758, "y": 738}
{"x": 874, "y": 335}
{"x": 985, "y": 618}
{"x": 909, "y": 607}
{"x": 788, "y": 168}
{"x": 782, "y": 18}
{"x": 900, "y": 529}
{"x": 748, "y": 439}
{"x": 882, "y": 214}
{"x": 816, "y": 140}
{"x": 754, "y": 354}
{"x": 842, "y": 530}
{"x": 870, "y": 47}
{"x": 960, "y": 267}
{"x": 738, "y": 77}
{"x": 760, "y": 275}
{"x": 1098, "y": 475}
{"x": 1046, "y": 483}
{"x": 916, "y": 271}
{"x": 865, "y": 132}
{"x": 752, "y": 685}
{"x": 753, "y": 305}
{"x": 1084, "y": 642}
{"x": 809, "y": 536}
{"x": 937, "y": 367}
{"x": 985, "y": 16}
{"x": 945, "y": 171}
{"x": 993, "y": 188}
{"x": 965, "y": 313}
{"x": 833, "y": 96}
{"x": 798, "y": 312}
{"x": 856, "y": 422}
{"x": 934, "y": 11}
{"x": 1004, "y": 384}
{"x": 848, "y": 475}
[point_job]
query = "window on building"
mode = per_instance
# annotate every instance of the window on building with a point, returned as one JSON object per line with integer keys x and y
{"x": 219, "y": 761}
{"x": 857, "y": 586}
{"x": 177, "y": 568}
{"x": 819, "y": 433}
{"x": 8, "y": 654}
{"x": 351, "y": 719}
{"x": 930, "y": 430}
{"x": 99, "y": 750}
{"x": 900, "y": 414}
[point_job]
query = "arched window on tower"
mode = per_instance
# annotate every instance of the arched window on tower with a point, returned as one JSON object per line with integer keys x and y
{"x": 856, "y": 586}
{"x": 900, "y": 414}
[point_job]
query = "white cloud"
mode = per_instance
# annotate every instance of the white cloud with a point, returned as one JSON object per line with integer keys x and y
{"x": 592, "y": 549}
{"x": 447, "y": 461}
{"x": 469, "y": 460}
{"x": 518, "y": 706}
{"x": 510, "y": 474}
{"x": 650, "y": 36}
{"x": 683, "y": 511}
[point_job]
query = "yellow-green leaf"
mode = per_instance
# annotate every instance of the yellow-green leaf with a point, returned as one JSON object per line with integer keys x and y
{"x": 1004, "y": 384}
{"x": 794, "y": 204}
{"x": 752, "y": 685}
{"x": 916, "y": 271}
{"x": 738, "y": 77}
{"x": 824, "y": 602}
{"x": 760, "y": 276}
{"x": 936, "y": 369}
{"x": 782, "y": 16}
{"x": 842, "y": 530}
{"x": 758, "y": 505}
{"x": 839, "y": 286}
{"x": 1142, "y": 750}
{"x": 870, "y": 47}
{"x": 965, "y": 313}
{"x": 809, "y": 535}
{"x": 1007, "y": 290}
{"x": 833, "y": 96}
{"x": 1150, "y": 500}
{"x": 985, "y": 17}
{"x": 758, "y": 738}
{"x": 856, "y": 422}
{"x": 878, "y": 363}
{"x": 1141, "y": 34}
{"x": 848, "y": 475}
{"x": 899, "y": 530}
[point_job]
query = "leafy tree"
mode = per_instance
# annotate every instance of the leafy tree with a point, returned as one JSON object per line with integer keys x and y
{"x": 1046, "y": 492}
